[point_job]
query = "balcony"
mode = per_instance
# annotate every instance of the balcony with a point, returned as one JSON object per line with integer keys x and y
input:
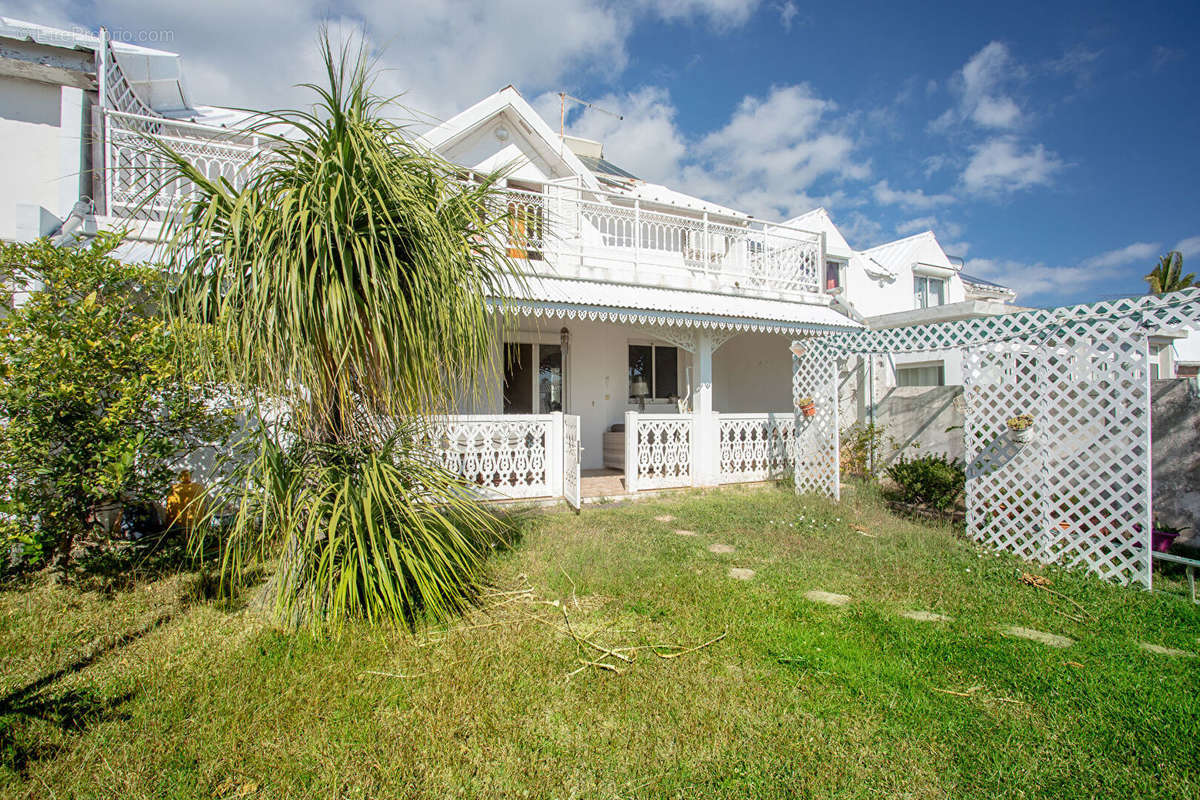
{"x": 563, "y": 231}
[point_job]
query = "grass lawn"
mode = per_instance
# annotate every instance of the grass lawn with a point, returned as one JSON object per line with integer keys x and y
{"x": 147, "y": 691}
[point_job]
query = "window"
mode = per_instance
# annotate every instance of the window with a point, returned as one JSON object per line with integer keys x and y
{"x": 929, "y": 292}
{"x": 921, "y": 375}
{"x": 832, "y": 274}
{"x": 533, "y": 378}
{"x": 658, "y": 367}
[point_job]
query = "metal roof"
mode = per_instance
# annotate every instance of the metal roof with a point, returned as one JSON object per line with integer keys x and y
{"x": 615, "y": 302}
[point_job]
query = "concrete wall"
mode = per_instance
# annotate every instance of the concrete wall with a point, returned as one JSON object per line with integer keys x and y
{"x": 917, "y": 418}
{"x": 1176, "y": 452}
{"x": 42, "y": 158}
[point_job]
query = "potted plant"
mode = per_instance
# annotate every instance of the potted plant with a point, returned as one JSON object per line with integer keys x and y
{"x": 1021, "y": 428}
{"x": 1163, "y": 536}
{"x": 807, "y": 406}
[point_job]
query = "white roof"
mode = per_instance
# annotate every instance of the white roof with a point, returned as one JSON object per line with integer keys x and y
{"x": 442, "y": 136}
{"x": 920, "y": 248}
{"x": 657, "y": 193}
{"x": 155, "y": 75}
{"x": 615, "y": 302}
{"x": 819, "y": 221}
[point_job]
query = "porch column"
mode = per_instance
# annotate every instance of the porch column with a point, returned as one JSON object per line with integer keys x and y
{"x": 704, "y": 427}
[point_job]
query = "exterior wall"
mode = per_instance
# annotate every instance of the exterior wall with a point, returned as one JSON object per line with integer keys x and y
{"x": 872, "y": 297}
{"x": 917, "y": 418}
{"x": 752, "y": 372}
{"x": 42, "y": 160}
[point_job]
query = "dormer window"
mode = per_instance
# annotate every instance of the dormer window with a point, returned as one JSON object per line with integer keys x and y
{"x": 929, "y": 292}
{"x": 833, "y": 274}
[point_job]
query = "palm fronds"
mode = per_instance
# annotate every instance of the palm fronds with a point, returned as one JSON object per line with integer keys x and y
{"x": 346, "y": 282}
{"x": 1167, "y": 275}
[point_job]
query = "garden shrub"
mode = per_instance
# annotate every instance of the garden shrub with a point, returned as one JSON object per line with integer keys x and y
{"x": 93, "y": 405}
{"x": 934, "y": 480}
{"x": 857, "y": 445}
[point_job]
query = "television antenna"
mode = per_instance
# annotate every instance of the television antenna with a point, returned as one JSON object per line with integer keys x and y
{"x": 563, "y": 97}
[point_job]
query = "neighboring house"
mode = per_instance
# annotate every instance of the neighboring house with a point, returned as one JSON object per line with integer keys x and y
{"x": 909, "y": 281}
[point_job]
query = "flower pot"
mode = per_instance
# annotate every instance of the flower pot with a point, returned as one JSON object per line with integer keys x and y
{"x": 809, "y": 411}
{"x": 1022, "y": 436}
{"x": 1161, "y": 541}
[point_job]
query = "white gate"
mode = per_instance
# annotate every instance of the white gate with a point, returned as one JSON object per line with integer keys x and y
{"x": 571, "y": 456}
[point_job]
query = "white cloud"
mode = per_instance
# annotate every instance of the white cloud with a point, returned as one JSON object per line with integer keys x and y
{"x": 1001, "y": 165}
{"x": 1189, "y": 246}
{"x": 787, "y": 14}
{"x": 1044, "y": 283}
{"x": 982, "y": 90}
{"x": 1144, "y": 252}
{"x": 720, "y": 13}
{"x": 909, "y": 198}
{"x": 441, "y": 54}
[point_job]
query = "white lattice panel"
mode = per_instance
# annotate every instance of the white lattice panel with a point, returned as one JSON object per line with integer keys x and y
{"x": 664, "y": 450}
{"x": 506, "y": 456}
{"x": 1077, "y": 492}
{"x": 814, "y": 374}
{"x": 1175, "y": 310}
{"x": 755, "y": 447}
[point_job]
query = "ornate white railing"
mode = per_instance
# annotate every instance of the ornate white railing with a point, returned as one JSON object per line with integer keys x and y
{"x": 755, "y": 447}
{"x": 659, "y": 451}
{"x": 583, "y": 233}
{"x": 135, "y": 172}
{"x": 561, "y": 231}
{"x": 505, "y": 455}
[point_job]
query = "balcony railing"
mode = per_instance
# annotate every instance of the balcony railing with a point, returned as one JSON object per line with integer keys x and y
{"x": 563, "y": 230}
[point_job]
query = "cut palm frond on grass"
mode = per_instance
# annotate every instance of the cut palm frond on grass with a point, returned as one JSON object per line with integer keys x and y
{"x": 347, "y": 283}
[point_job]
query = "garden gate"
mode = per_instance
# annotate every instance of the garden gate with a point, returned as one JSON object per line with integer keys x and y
{"x": 1076, "y": 490}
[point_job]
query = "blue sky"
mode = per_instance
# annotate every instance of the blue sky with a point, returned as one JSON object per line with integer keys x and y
{"x": 1052, "y": 145}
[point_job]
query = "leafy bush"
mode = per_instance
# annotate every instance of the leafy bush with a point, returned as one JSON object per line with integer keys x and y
{"x": 864, "y": 448}
{"x": 92, "y": 405}
{"x": 933, "y": 480}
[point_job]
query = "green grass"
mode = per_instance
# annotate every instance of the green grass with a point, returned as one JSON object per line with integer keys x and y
{"x": 162, "y": 694}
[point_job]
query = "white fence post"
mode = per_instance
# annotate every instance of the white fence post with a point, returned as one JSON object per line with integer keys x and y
{"x": 554, "y": 454}
{"x": 631, "y": 451}
{"x": 714, "y": 440}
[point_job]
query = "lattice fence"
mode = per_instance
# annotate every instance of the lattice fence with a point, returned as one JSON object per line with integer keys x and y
{"x": 814, "y": 375}
{"x": 755, "y": 447}
{"x": 664, "y": 450}
{"x": 504, "y": 456}
{"x": 1076, "y": 490}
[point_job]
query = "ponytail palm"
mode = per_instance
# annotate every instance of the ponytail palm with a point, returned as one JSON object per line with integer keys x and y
{"x": 346, "y": 284}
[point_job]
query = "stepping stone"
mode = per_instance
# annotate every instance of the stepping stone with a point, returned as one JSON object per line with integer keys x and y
{"x": 721, "y": 549}
{"x": 682, "y": 532}
{"x": 664, "y": 518}
{"x": 1164, "y": 651}
{"x": 828, "y": 598}
{"x": 740, "y": 573}
{"x": 926, "y": 616}
{"x": 1052, "y": 639}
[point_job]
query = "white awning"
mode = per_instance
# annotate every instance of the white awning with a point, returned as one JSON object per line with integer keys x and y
{"x": 615, "y": 302}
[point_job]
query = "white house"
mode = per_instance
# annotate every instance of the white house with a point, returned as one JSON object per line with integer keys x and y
{"x": 651, "y": 334}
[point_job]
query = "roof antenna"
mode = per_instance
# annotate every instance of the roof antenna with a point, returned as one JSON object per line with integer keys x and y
{"x": 562, "y": 111}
